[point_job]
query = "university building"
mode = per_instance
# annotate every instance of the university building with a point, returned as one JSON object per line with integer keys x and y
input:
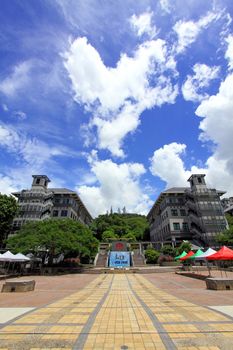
{"x": 227, "y": 204}
{"x": 41, "y": 203}
{"x": 187, "y": 213}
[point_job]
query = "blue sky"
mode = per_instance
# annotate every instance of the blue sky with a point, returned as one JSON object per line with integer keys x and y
{"x": 117, "y": 100}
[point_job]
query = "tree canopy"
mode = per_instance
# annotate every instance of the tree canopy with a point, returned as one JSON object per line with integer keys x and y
{"x": 226, "y": 237}
{"x": 8, "y": 209}
{"x": 184, "y": 246}
{"x": 56, "y": 236}
{"x": 133, "y": 226}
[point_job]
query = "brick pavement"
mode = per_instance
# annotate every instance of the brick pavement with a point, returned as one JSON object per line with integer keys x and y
{"x": 47, "y": 290}
{"x": 123, "y": 312}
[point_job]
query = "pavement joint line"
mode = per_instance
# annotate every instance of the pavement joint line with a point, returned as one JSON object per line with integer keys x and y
{"x": 220, "y": 312}
{"x": 191, "y": 306}
{"x": 157, "y": 324}
{"x": 124, "y": 333}
{"x": 83, "y": 335}
{"x": 2, "y": 325}
{"x": 10, "y": 322}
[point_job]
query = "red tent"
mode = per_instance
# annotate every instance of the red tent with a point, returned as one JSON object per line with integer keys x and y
{"x": 187, "y": 256}
{"x": 223, "y": 254}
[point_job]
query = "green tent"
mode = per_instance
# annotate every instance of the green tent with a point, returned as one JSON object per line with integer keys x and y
{"x": 181, "y": 255}
{"x": 198, "y": 253}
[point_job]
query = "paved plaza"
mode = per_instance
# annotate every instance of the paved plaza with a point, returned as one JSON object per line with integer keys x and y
{"x": 117, "y": 311}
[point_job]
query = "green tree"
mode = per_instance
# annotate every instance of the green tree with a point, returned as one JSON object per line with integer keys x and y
{"x": 108, "y": 236}
{"x": 168, "y": 250}
{"x": 226, "y": 237}
{"x": 121, "y": 225}
{"x": 56, "y": 236}
{"x": 229, "y": 218}
{"x": 129, "y": 237}
{"x": 151, "y": 255}
{"x": 184, "y": 246}
{"x": 8, "y": 209}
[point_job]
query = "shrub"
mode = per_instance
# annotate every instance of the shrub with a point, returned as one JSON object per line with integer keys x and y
{"x": 151, "y": 255}
{"x": 165, "y": 258}
{"x": 168, "y": 250}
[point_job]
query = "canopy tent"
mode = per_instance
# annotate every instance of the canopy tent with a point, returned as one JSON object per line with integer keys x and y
{"x": 181, "y": 255}
{"x": 187, "y": 256}
{"x": 223, "y": 254}
{"x": 20, "y": 257}
{"x": 7, "y": 256}
{"x": 198, "y": 253}
{"x": 203, "y": 256}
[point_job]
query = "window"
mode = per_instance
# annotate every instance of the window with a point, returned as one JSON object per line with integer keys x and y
{"x": 174, "y": 212}
{"x": 199, "y": 180}
{"x": 176, "y": 226}
{"x": 64, "y": 213}
{"x": 182, "y": 212}
{"x": 55, "y": 213}
{"x": 185, "y": 226}
{"x": 37, "y": 181}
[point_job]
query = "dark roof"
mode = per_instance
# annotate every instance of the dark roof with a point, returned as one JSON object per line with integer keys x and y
{"x": 61, "y": 190}
{"x": 176, "y": 190}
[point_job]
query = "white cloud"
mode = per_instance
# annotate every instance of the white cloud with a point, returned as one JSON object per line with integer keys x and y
{"x": 31, "y": 150}
{"x": 165, "y": 5}
{"x": 136, "y": 83}
{"x": 142, "y": 24}
{"x": 216, "y": 126}
{"x": 217, "y": 122}
{"x": 17, "y": 80}
{"x": 168, "y": 165}
{"x": 111, "y": 133}
{"x": 7, "y": 185}
{"x": 229, "y": 51}
{"x": 119, "y": 186}
{"x": 93, "y": 82}
{"x": 5, "y": 107}
{"x": 187, "y": 32}
{"x": 20, "y": 115}
{"x": 193, "y": 87}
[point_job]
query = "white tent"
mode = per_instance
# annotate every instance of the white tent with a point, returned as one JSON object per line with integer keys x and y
{"x": 7, "y": 256}
{"x": 203, "y": 256}
{"x": 20, "y": 257}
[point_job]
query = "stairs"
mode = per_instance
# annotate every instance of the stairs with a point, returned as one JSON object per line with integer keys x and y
{"x": 138, "y": 259}
{"x": 102, "y": 255}
{"x": 102, "y": 260}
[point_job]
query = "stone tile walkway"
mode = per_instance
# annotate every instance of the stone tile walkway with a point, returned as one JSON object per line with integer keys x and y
{"x": 119, "y": 312}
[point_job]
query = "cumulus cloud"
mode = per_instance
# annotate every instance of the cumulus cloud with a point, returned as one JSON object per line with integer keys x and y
{"x": 229, "y": 51}
{"x": 217, "y": 122}
{"x": 138, "y": 82}
{"x": 187, "y": 32}
{"x": 17, "y": 79}
{"x": 142, "y": 24}
{"x": 216, "y": 126}
{"x": 168, "y": 165}
{"x": 193, "y": 87}
{"x": 119, "y": 186}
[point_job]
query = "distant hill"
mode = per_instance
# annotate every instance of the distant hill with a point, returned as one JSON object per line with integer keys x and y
{"x": 129, "y": 226}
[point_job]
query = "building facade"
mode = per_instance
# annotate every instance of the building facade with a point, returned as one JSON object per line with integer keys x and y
{"x": 41, "y": 203}
{"x": 187, "y": 213}
{"x": 227, "y": 204}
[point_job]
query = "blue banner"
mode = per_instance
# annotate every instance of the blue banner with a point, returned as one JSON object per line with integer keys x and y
{"x": 119, "y": 259}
